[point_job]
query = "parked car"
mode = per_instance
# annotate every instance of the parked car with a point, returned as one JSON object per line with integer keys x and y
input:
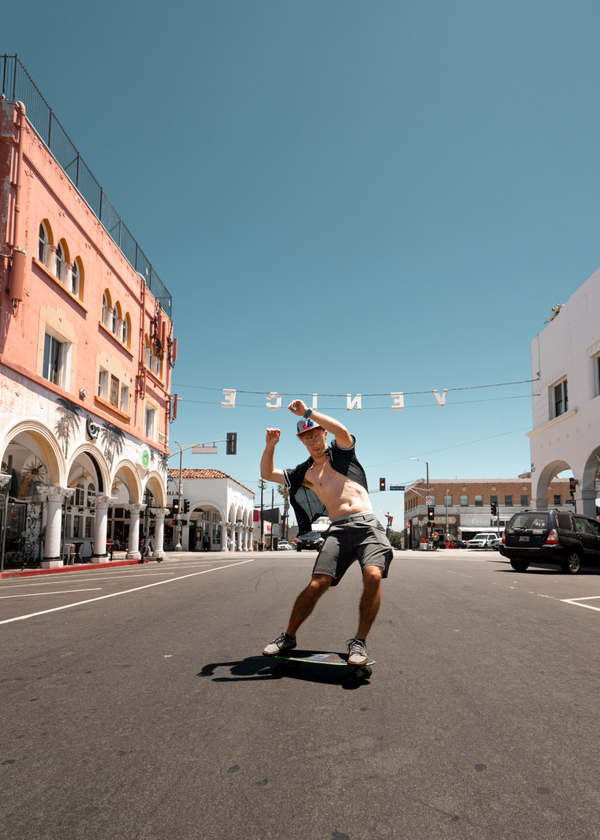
{"x": 481, "y": 541}
{"x": 565, "y": 539}
{"x": 311, "y": 540}
{"x": 496, "y": 542}
{"x": 283, "y": 545}
{"x": 456, "y": 544}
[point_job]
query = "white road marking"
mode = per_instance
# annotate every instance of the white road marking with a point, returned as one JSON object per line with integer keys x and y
{"x": 60, "y": 592}
{"x": 576, "y": 602}
{"x": 86, "y": 577}
{"x": 125, "y": 592}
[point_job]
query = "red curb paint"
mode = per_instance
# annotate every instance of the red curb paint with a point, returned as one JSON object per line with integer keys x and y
{"x": 83, "y": 568}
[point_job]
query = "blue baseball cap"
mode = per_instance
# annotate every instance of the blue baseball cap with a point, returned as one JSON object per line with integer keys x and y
{"x": 306, "y": 426}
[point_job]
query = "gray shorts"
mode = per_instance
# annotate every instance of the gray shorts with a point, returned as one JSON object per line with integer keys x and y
{"x": 357, "y": 537}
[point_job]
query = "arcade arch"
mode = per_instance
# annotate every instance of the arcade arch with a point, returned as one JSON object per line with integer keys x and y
{"x": 206, "y": 519}
{"x": 34, "y": 467}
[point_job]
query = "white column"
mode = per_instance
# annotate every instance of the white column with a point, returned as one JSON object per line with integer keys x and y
{"x": 133, "y": 547}
{"x": 585, "y": 503}
{"x": 185, "y": 537}
{"x": 52, "y": 549}
{"x": 224, "y": 536}
{"x": 102, "y": 503}
{"x": 51, "y": 257}
{"x": 159, "y": 531}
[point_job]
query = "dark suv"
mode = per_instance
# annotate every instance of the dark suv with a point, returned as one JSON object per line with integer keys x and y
{"x": 311, "y": 540}
{"x": 552, "y": 536}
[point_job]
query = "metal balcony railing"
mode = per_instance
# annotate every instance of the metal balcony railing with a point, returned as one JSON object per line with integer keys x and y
{"x": 17, "y": 85}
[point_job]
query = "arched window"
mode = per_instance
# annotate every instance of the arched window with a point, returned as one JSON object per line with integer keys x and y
{"x": 126, "y": 331}
{"x": 117, "y": 324}
{"x": 113, "y": 319}
{"x": 75, "y": 278}
{"x": 59, "y": 261}
{"x": 106, "y": 309}
{"x": 42, "y": 243}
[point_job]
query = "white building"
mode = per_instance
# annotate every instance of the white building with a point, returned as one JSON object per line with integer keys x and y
{"x": 213, "y": 504}
{"x": 565, "y": 360}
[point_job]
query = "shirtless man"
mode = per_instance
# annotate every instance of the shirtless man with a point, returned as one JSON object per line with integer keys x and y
{"x": 331, "y": 482}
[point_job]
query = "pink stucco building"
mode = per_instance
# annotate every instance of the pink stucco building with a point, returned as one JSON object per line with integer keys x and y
{"x": 86, "y": 351}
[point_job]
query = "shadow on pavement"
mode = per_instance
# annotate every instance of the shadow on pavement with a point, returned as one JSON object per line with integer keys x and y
{"x": 256, "y": 668}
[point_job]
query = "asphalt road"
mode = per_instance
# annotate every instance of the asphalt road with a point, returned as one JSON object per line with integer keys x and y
{"x": 147, "y": 711}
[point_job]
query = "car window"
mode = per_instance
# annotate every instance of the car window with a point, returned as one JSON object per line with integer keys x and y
{"x": 540, "y": 519}
{"x": 582, "y": 526}
{"x": 564, "y": 521}
{"x": 595, "y": 526}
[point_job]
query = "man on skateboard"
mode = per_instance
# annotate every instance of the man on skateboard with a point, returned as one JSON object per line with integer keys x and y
{"x": 331, "y": 482}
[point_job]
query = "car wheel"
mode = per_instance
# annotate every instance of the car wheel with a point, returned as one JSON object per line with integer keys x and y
{"x": 519, "y": 565}
{"x": 298, "y": 548}
{"x": 572, "y": 564}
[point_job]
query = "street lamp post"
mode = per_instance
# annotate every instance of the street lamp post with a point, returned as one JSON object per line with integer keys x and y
{"x": 426, "y": 503}
{"x": 179, "y": 494}
{"x": 4, "y": 482}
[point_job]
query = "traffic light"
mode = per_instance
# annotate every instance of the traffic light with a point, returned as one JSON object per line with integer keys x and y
{"x": 382, "y": 484}
{"x": 493, "y": 508}
{"x": 572, "y": 485}
{"x": 231, "y": 443}
{"x": 175, "y": 505}
{"x": 186, "y": 505}
{"x": 430, "y": 513}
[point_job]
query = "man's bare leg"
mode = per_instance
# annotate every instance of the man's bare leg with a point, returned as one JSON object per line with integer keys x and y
{"x": 370, "y": 600}
{"x": 306, "y": 601}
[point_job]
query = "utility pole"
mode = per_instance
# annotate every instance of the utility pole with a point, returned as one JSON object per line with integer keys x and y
{"x": 263, "y": 485}
{"x": 446, "y": 503}
{"x": 272, "y": 514}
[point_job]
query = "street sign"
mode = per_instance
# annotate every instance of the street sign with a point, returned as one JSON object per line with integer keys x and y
{"x": 428, "y": 500}
{"x": 205, "y": 450}
{"x": 396, "y": 487}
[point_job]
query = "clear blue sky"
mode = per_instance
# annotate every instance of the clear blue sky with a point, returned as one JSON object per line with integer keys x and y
{"x": 343, "y": 196}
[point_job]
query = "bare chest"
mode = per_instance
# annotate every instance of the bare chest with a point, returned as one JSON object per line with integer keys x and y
{"x": 323, "y": 478}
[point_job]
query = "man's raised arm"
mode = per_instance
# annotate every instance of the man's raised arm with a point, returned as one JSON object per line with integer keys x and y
{"x": 342, "y": 435}
{"x": 267, "y": 462}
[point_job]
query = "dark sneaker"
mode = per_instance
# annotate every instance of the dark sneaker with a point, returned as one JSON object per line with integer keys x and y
{"x": 357, "y": 652}
{"x": 283, "y": 642}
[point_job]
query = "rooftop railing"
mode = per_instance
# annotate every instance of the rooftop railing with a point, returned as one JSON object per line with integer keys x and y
{"x": 17, "y": 85}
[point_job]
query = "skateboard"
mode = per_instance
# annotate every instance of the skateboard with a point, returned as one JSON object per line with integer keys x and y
{"x": 294, "y": 658}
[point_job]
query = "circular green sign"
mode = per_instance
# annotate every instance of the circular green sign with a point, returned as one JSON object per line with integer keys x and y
{"x": 145, "y": 459}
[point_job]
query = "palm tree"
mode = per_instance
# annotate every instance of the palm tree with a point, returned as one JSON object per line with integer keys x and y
{"x": 112, "y": 438}
{"x": 67, "y": 424}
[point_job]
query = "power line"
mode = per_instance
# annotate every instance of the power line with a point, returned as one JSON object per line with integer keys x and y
{"x": 446, "y": 448}
{"x": 410, "y": 393}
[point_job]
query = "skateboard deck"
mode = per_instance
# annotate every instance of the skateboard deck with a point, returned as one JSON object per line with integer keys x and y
{"x": 315, "y": 657}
